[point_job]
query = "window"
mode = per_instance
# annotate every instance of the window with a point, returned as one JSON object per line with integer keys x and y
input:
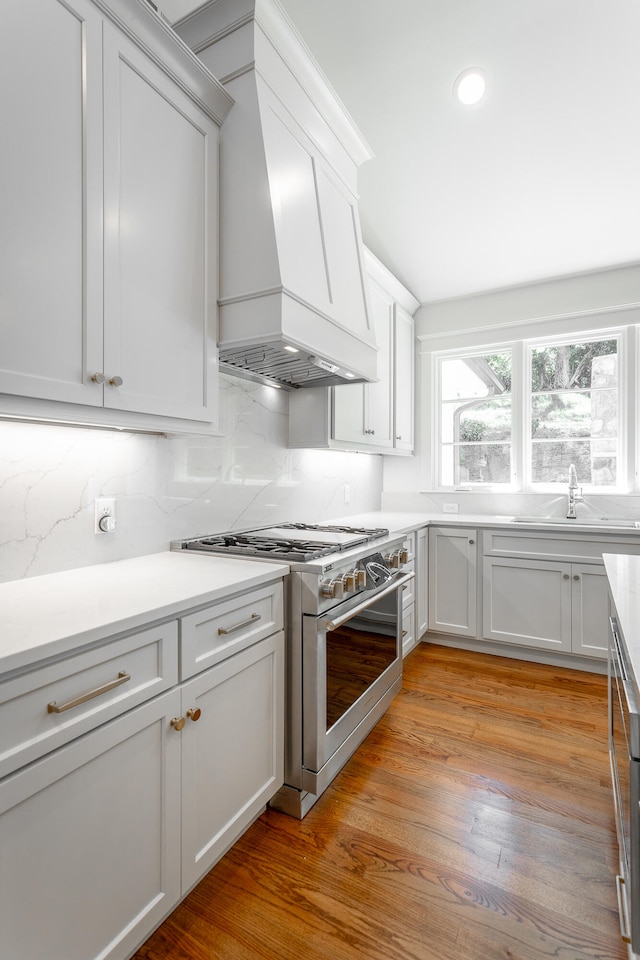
{"x": 517, "y": 417}
{"x": 476, "y": 421}
{"x": 574, "y": 412}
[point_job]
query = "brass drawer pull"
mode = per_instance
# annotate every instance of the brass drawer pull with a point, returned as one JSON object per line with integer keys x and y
{"x": 53, "y": 707}
{"x": 240, "y": 626}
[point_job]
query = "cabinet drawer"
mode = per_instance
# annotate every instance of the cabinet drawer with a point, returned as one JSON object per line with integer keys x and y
{"x": 219, "y": 631}
{"x": 541, "y": 546}
{"x": 86, "y": 689}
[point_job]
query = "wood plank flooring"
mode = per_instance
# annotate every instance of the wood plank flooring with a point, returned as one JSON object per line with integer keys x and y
{"x": 475, "y": 822}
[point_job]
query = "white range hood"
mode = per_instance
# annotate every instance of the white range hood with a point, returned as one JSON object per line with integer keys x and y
{"x": 293, "y": 296}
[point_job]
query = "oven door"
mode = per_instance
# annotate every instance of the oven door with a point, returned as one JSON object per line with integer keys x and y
{"x": 351, "y": 669}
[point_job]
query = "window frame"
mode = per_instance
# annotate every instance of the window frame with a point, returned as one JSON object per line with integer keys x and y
{"x": 628, "y": 347}
{"x": 436, "y": 420}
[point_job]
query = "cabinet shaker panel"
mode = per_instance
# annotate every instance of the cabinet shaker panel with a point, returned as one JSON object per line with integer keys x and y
{"x": 51, "y": 200}
{"x": 160, "y": 198}
{"x": 90, "y": 841}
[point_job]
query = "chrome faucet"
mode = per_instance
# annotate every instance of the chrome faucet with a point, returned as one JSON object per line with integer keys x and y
{"x": 575, "y": 493}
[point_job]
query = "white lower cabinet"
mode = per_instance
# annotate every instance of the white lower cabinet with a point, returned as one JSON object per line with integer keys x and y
{"x": 90, "y": 840}
{"x": 422, "y": 581}
{"x": 453, "y": 580}
{"x": 409, "y": 637}
{"x": 546, "y": 604}
{"x": 549, "y": 591}
{"x": 590, "y": 611}
{"x": 112, "y": 808}
{"x": 232, "y": 756}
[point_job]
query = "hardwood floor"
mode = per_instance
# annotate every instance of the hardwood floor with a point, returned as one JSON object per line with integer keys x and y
{"x": 475, "y": 822}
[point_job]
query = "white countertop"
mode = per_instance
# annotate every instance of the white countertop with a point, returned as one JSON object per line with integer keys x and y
{"x": 399, "y": 523}
{"x": 623, "y": 574}
{"x": 45, "y": 616}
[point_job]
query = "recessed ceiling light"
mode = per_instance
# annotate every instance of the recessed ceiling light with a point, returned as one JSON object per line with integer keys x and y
{"x": 470, "y": 86}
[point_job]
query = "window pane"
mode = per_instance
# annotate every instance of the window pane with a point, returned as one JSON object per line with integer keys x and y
{"x": 574, "y": 412}
{"x": 476, "y": 420}
{"x": 595, "y": 461}
{"x": 467, "y": 378}
{"x": 574, "y": 415}
{"x": 574, "y": 366}
{"x": 476, "y": 463}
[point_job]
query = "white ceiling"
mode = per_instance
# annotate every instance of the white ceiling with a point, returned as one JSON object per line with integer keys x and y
{"x": 542, "y": 180}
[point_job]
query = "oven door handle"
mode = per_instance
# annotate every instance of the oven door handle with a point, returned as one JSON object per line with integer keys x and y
{"x": 395, "y": 584}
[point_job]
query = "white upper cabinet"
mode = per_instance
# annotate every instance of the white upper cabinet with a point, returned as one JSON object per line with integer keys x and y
{"x": 403, "y": 380}
{"x": 109, "y": 282}
{"x": 160, "y": 217}
{"x": 373, "y": 417}
{"x": 51, "y": 187}
{"x": 363, "y": 413}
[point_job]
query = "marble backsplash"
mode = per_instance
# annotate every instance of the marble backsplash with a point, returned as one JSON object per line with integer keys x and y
{"x": 166, "y": 487}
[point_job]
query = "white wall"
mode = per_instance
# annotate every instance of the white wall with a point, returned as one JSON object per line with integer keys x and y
{"x": 593, "y": 300}
{"x": 554, "y": 299}
{"x": 166, "y": 488}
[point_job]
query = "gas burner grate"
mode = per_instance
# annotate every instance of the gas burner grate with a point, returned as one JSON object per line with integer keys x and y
{"x": 294, "y": 550}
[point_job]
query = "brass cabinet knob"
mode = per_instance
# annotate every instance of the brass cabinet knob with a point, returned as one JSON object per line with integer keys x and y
{"x": 194, "y": 713}
{"x": 576, "y": 577}
{"x": 98, "y": 378}
{"x": 116, "y": 381}
{"x": 565, "y": 576}
{"x": 178, "y": 723}
{"x": 472, "y": 542}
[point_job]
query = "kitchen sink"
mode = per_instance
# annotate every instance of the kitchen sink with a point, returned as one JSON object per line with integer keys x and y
{"x": 607, "y": 522}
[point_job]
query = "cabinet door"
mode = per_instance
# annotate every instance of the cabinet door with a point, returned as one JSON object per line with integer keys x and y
{"x": 403, "y": 380}
{"x": 348, "y": 413}
{"x": 51, "y": 200}
{"x": 160, "y": 251}
{"x": 527, "y": 602}
{"x": 233, "y": 755}
{"x": 422, "y": 582}
{"x": 90, "y": 840}
{"x": 453, "y": 581}
{"x": 378, "y": 414}
{"x": 590, "y": 610}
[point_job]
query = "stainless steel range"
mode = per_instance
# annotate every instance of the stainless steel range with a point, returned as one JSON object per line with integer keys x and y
{"x": 344, "y": 640}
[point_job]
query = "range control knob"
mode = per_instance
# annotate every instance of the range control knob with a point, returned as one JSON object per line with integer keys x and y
{"x": 393, "y": 559}
{"x": 350, "y": 581}
{"x": 361, "y": 578}
{"x": 332, "y": 589}
{"x": 404, "y": 555}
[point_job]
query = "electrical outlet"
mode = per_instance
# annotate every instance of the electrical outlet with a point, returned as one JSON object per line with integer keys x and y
{"x": 105, "y": 515}
{"x": 449, "y": 507}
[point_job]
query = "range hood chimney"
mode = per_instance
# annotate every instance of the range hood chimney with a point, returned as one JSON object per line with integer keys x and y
{"x": 293, "y": 304}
